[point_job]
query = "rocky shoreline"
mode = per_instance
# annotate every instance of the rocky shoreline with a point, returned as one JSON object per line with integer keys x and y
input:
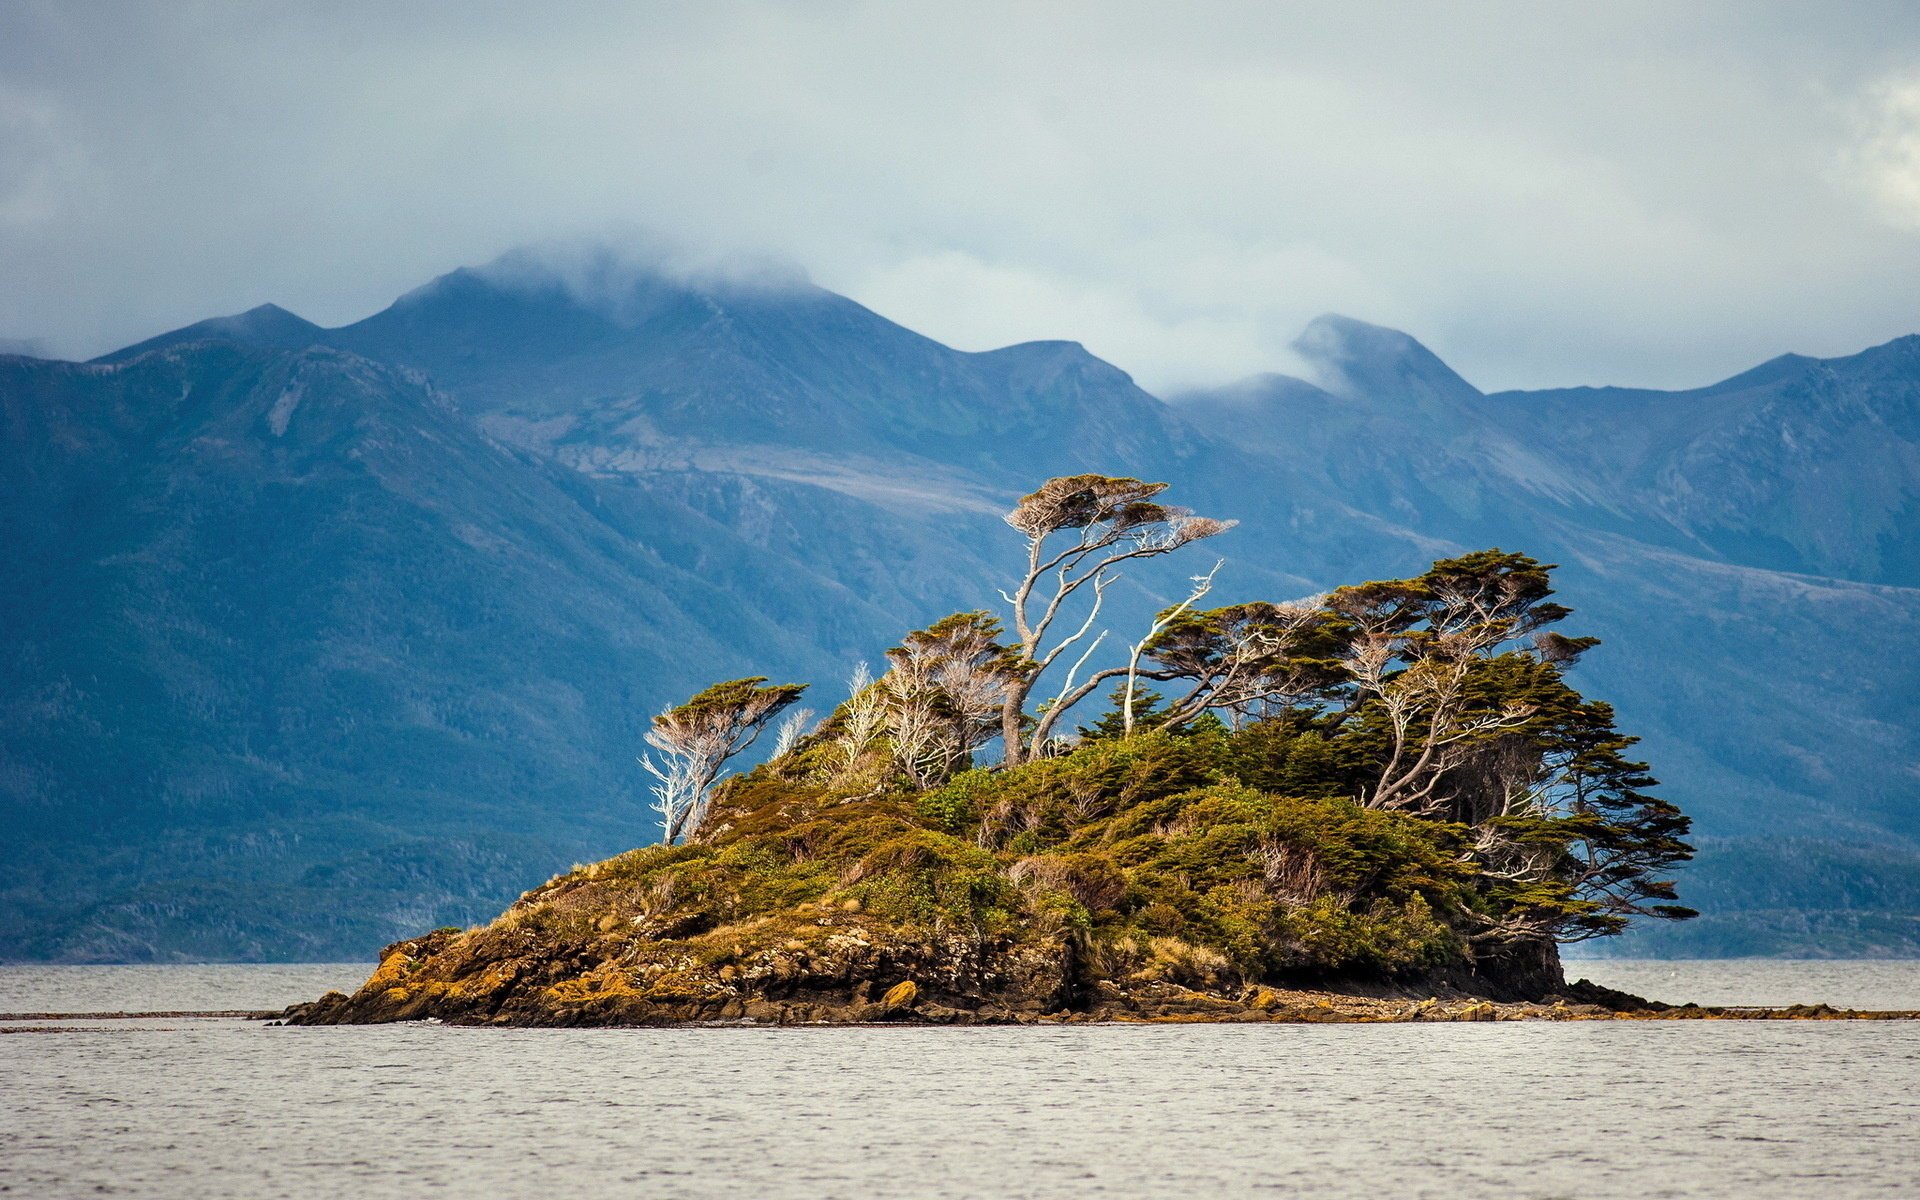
{"x": 431, "y": 978}
{"x": 1274, "y": 1007}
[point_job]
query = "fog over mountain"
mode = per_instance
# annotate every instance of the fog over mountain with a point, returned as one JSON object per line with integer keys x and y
{"x": 303, "y": 612}
{"x": 1632, "y": 193}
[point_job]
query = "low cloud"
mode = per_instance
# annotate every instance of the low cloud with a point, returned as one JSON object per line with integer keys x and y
{"x": 1636, "y": 193}
{"x": 608, "y": 271}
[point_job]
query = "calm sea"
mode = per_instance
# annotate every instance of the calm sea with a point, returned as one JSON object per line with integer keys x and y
{"x": 219, "y": 1108}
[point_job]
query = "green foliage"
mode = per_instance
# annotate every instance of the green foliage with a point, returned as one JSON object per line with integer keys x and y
{"x": 753, "y": 694}
{"x": 932, "y": 879}
{"x": 1290, "y": 755}
{"x": 1429, "y": 790}
{"x": 1149, "y": 710}
{"x": 1284, "y": 885}
{"x": 1077, "y": 501}
{"x": 955, "y": 805}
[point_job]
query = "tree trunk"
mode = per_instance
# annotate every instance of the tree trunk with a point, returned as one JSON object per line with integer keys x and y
{"x": 1524, "y": 970}
{"x": 1011, "y": 713}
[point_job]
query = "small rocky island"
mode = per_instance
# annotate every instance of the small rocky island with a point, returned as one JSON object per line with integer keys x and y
{"x": 1382, "y": 803}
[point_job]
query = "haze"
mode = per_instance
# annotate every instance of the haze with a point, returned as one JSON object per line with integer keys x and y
{"x": 1545, "y": 195}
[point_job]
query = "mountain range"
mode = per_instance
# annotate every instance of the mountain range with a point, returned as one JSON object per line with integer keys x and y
{"x": 316, "y": 638}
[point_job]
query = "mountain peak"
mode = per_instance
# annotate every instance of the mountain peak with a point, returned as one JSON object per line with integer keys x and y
{"x": 264, "y": 326}
{"x": 1047, "y": 351}
{"x": 540, "y": 306}
{"x": 1772, "y": 371}
{"x": 268, "y": 325}
{"x": 1048, "y": 361}
{"x": 268, "y": 312}
{"x": 1359, "y": 360}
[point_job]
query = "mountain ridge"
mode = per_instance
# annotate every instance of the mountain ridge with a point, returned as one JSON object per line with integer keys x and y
{"x": 777, "y": 488}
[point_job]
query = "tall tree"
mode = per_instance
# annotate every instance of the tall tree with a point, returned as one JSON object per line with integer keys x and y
{"x": 1412, "y": 645}
{"x": 1079, "y": 530}
{"x": 1457, "y": 708}
{"x": 1565, "y": 837}
{"x": 1245, "y": 659}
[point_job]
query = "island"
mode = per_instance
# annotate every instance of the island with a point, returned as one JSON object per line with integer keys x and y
{"x": 1385, "y": 802}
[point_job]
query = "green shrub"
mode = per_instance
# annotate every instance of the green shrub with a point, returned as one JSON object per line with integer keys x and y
{"x": 954, "y": 807}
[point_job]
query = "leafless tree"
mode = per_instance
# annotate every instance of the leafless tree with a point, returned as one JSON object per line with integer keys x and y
{"x": 942, "y": 694}
{"x": 910, "y": 709}
{"x": 1291, "y": 872}
{"x": 795, "y": 726}
{"x": 862, "y": 719}
{"x": 1202, "y": 584}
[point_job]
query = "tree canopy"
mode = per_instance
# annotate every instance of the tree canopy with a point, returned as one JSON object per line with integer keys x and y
{"x": 697, "y": 739}
{"x": 1440, "y": 700}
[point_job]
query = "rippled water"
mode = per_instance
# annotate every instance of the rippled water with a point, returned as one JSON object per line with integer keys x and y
{"x": 214, "y": 1108}
{"x": 1884, "y": 984}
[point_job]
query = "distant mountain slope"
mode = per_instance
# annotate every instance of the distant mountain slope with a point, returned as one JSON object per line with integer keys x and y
{"x": 283, "y": 611}
{"x": 1743, "y": 549}
{"x": 1802, "y": 897}
{"x": 1808, "y": 465}
{"x": 1804, "y": 465}
{"x": 296, "y": 615}
{"x": 305, "y": 608}
{"x": 649, "y": 367}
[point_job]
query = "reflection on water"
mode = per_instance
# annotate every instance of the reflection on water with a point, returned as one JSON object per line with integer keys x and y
{"x": 213, "y": 1108}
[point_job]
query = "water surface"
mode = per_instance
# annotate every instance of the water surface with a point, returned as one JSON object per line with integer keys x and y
{"x": 224, "y": 1108}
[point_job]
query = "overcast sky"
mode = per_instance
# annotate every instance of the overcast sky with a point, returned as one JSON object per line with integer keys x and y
{"x": 1544, "y": 193}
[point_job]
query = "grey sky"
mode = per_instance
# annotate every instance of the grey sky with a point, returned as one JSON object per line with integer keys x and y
{"x": 1544, "y": 193}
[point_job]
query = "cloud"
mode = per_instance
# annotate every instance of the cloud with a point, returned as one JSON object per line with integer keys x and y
{"x": 37, "y": 158}
{"x": 1885, "y": 158}
{"x": 608, "y": 270}
{"x": 1636, "y": 193}
{"x": 979, "y": 305}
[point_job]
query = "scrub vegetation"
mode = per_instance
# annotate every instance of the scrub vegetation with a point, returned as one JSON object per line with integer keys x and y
{"x": 1386, "y": 790}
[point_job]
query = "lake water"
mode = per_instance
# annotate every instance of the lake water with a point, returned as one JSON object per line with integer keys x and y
{"x": 225, "y": 1108}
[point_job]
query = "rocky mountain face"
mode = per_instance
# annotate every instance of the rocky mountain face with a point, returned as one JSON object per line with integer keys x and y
{"x": 318, "y": 637}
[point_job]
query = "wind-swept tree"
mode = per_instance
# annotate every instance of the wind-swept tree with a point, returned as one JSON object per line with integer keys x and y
{"x": 1457, "y": 708}
{"x": 696, "y": 739}
{"x": 1443, "y": 697}
{"x": 1080, "y": 529}
{"x": 1439, "y": 702}
{"x": 1566, "y": 840}
{"x": 1244, "y": 659}
{"x": 943, "y": 691}
{"x": 1412, "y": 648}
